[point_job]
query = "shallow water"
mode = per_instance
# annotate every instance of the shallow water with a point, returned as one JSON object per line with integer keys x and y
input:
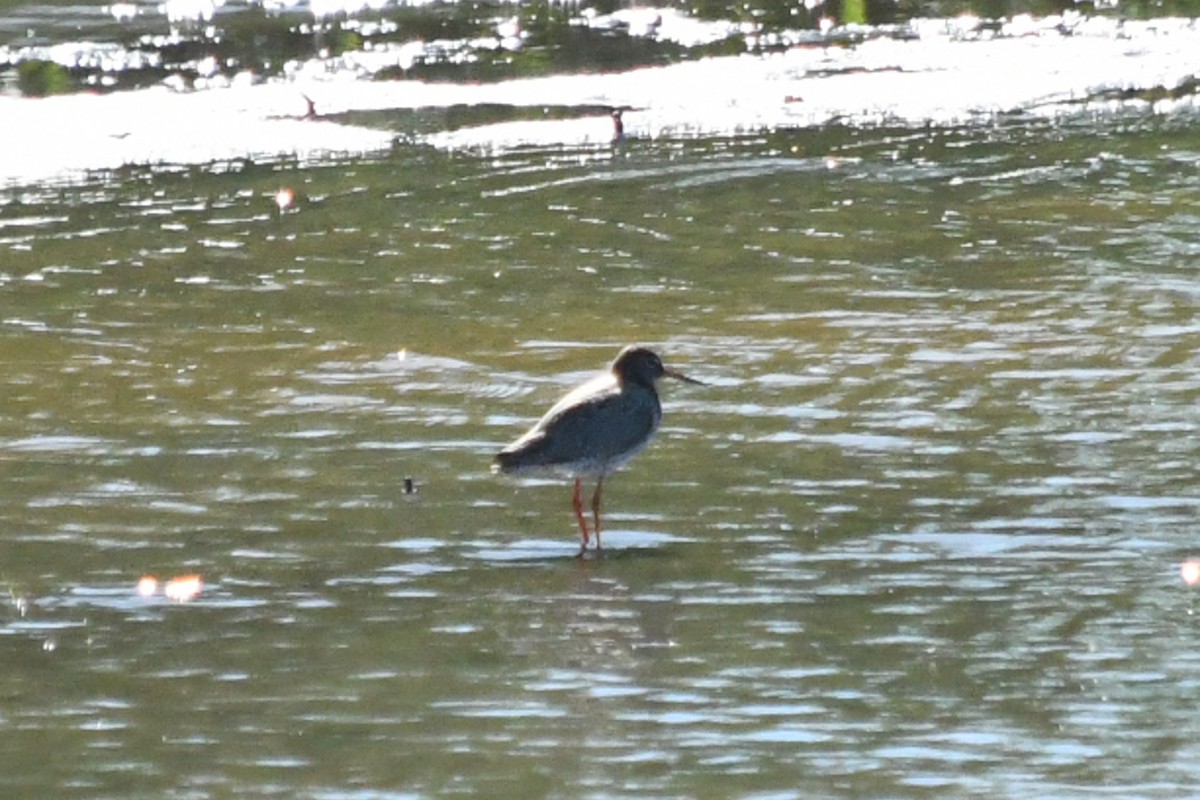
{"x": 921, "y": 533}
{"x": 166, "y": 93}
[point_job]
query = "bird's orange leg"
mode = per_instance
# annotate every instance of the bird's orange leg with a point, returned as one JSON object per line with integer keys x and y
{"x": 596, "y": 509}
{"x": 577, "y": 502}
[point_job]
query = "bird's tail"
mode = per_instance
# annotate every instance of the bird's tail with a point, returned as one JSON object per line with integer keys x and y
{"x": 504, "y": 462}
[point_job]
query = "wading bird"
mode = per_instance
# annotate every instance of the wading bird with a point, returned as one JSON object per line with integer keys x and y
{"x": 595, "y": 429}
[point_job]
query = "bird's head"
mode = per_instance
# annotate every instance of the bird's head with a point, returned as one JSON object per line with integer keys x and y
{"x": 641, "y": 365}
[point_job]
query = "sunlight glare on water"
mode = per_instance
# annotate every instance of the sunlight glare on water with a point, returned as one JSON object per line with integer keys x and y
{"x": 930, "y": 72}
{"x": 926, "y": 530}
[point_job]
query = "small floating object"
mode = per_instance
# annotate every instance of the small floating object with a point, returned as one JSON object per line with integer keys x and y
{"x": 1190, "y": 571}
{"x": 147, "y": 586}
{"x": 410, "y": 486}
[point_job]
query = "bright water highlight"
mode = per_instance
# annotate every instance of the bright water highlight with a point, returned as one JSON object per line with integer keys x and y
{"x": 921, "y": 534}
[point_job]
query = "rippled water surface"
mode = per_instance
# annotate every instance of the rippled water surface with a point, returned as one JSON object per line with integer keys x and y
{"x": 921, "y": 533}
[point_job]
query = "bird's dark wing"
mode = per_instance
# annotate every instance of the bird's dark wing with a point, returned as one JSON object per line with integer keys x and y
{"x": 585, "y": 435}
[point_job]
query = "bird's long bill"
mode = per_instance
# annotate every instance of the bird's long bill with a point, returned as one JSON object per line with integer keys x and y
{"x": 679, "y": 376}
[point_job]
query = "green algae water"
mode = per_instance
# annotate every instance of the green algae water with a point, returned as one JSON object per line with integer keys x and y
{"x": 920, "y": 534}
{"x": 922, "y": 530}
